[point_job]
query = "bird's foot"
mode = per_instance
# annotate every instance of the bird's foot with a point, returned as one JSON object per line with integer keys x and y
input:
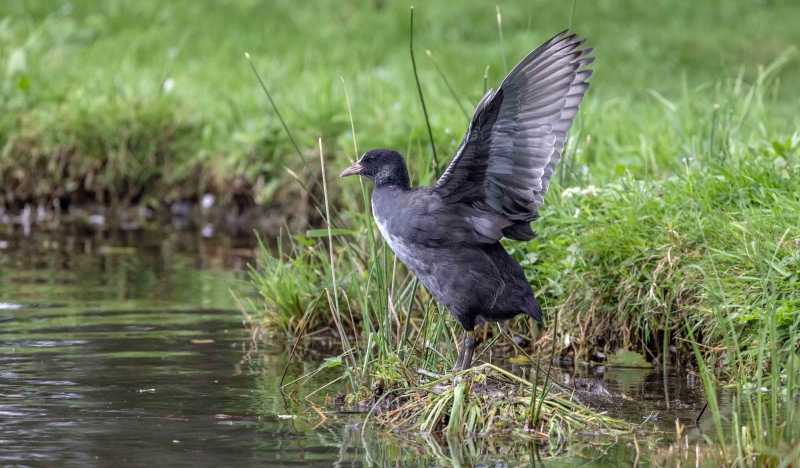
{"x": 456, "y": 370}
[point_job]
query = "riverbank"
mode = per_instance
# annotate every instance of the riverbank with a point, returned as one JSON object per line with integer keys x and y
{"x": 627, "y": 264}
{"x": 696, "y": 273}
{"x": 135, "y": 105}
{"x": 695, "y": 270}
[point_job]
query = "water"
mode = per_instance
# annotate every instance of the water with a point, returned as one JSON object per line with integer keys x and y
{"x": 127, "y": 350}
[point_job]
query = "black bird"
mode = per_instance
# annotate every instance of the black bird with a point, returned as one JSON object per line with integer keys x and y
{"x": 449, "y": 234}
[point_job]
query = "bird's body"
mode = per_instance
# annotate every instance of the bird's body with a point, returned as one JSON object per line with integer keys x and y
{"x": 477, "y": 282}
{"x": 448, "y": 234}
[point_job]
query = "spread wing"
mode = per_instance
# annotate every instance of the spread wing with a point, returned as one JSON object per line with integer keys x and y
{"x": 516, "y": 137}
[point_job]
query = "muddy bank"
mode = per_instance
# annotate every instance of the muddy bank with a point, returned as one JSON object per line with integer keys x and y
{"x": 206, "y": 215}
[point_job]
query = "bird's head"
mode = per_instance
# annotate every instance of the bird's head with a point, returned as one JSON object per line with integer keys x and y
{"x": 384, "y": 166}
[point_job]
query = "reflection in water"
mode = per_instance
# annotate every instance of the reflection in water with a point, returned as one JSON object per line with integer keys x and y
{"x": 105, "y": 270}
{"x": 125, "y": 351}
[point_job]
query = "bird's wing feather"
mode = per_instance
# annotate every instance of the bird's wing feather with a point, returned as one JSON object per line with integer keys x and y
{"x": 517, "y": 135}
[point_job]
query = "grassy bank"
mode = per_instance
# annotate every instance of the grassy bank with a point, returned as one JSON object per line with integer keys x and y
{"x": 624, "y": 264}
{"x": 696, "y": 266}
{"x": 147, "y": 103}
{"x": 698, "y": 270}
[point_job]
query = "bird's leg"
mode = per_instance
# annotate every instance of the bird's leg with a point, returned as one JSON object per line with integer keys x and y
{"x": 460, "y": 361}
{"x": 464, "y": 360}
{"x": 469, "y": 345}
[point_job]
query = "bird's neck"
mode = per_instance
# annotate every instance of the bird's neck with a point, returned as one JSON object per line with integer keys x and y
{"x": 397, "y": 178}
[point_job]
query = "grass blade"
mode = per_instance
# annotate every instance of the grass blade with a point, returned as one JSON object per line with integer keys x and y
{"x": 421, "y": 98}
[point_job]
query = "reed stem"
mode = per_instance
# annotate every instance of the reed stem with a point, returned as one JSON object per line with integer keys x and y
{"x": 421, "y": 98}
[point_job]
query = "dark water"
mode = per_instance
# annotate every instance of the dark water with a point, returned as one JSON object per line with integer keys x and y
{"x": 127, "y": 350}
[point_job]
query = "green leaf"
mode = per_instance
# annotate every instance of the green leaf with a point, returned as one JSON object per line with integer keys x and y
{"x": 24, "y": 83}
{"x": 331, "y": 362}
{"x": 304, "y": 240}
{"x": 776, "y": 145}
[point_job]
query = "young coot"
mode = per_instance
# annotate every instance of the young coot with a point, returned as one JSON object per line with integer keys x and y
{"x": 448, "y": 234}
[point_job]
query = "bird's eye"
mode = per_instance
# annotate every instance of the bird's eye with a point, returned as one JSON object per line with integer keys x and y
{"x": 371, "y": 158}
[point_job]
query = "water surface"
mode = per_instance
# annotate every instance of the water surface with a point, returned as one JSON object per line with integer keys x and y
{"x": 127, "y": 350}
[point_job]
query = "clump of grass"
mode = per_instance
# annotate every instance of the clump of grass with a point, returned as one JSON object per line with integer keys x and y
{"x": 628, "y": 262}
{"x": 490, "y": 400}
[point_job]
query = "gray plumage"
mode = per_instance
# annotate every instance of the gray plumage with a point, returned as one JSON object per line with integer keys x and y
{"x": 515, "y": 139}
{"x": 448, "y": 234}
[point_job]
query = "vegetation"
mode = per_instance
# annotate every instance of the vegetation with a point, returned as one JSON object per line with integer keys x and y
{"x": 697, "y": 268}
{"x": 695, "y": 259}
{"x": 716, "y": 240}
{"x": 704, "y": 263}
{"x": 141, "y": 102}
{"x": 674, "y": 217}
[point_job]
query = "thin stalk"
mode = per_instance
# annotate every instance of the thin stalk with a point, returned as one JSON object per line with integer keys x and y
{"x": 527, "y": 356}
{"x": 328, "y": 222}
{"x": 352, "y": 320}
{"x": 294, "y": 143}
{"x": 572, "y": 13}
{"x": 421, "y": 98}
{"x": 728, "y": 333}
{"x": 352, "y": 125}
{"x": 664, "y": 352}
{"x": 424, "y": 330}
{"x": 447, "y": 83}
{"x": 486, "y": 347}
{"x": 330, "y": 250}
{"x": 772, "y": 434}
{"x": 387, "y": 328}
{"x": 324, "y": 386}
{"x": 711, "y": 396}
{"x": 545, "y": 389}
{"x": 367, "y": 353}
{"x": 342, "y": 335}
{"x": 502, "y": 43}
{"x": 535, "y": 380}
{"x": 297, "y": 341}
{"x": 401, "y": 346}
{"x": 277, "y": 112}
{"x": 485, "y": 79}
{"x": 713, "y": 132}
{"x": 364, "y": 192}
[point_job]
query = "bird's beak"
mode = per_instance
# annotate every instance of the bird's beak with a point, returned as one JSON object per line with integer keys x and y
{"x": 355, "y": 169}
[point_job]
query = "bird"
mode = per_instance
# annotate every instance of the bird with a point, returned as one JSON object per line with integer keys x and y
{"x": 448, "y": 234}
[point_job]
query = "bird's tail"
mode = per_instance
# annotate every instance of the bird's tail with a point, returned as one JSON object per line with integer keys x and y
{"x": 533, "y": 309}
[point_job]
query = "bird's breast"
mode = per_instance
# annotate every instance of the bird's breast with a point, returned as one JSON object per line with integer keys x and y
{"x": 404, "y": 249}
{"x": 399, "y": 246}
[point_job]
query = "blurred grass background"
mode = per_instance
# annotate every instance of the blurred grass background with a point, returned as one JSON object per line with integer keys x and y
{"x": 148, "y": 102}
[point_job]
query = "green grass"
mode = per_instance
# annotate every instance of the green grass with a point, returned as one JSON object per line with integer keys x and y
{"x": 706, "y": 262}
{"x": 716, "y": 237}
{"x": 703, "y": 260}
{"x": 84, "y": 112}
